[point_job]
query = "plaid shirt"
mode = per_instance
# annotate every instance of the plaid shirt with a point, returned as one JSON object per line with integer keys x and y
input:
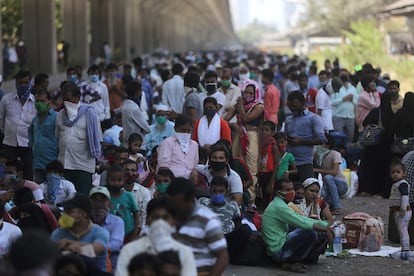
{"x": 408, "y": 161}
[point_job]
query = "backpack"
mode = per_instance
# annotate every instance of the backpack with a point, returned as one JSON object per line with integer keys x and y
{"x": 254, "y": 217}
{"x": 364, "y": 231}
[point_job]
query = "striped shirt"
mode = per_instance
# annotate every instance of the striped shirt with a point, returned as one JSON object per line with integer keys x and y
{"x": 202, "y": 232}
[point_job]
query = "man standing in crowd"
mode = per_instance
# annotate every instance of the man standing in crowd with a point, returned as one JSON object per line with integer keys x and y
{"x": 173, "y": 89}
{"x": 42, "y": 137}
{"x": 271, "y": 97}
{"x": 79, "y": 134}
{"x": 303, "y": 130}
{"x": 17, "y": 110}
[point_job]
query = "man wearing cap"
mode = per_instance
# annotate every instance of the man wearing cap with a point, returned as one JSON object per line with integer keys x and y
{"x": 78, "y": 234}
{"x": 160, "y": 130}
{"x": 100, "y": 200}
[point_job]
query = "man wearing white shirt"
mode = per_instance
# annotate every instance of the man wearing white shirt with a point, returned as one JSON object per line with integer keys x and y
{"x": 17, "y": 110}
{"x": 211, "y": 87}
{"x": 173, "y": 89}
{"x": 95, "y": 93}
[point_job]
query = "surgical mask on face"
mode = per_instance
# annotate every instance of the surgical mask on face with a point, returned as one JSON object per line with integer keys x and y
{"x": 66, "y": 221}
{"x": 225, "y": 83}
{"x": 209, "y": 113}
{"x": 211, "y": 87}
{"x": 73, "y": 78}
{"x": 162, "y": 187}
{"x": 94, "y": 78}
{"x": 161, "y": 120}
{"x": 41, "y": 107}
{"x": 288, "y": 196}
{"x": 244, "y": 77}
{"x": 248, "y": 98}
{"x": 217, "y": 199}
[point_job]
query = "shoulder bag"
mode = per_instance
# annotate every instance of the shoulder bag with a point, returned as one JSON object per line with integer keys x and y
{"x": 372, "y": 134}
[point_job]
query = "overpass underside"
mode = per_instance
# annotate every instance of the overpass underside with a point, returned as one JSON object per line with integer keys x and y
{"x": 132, "y": 27}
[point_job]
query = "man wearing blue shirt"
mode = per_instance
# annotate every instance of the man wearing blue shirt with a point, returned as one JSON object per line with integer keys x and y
{"x": 42, "y": 137}
{"x": 303, "y": 130}
{"x": 78, "y": 234}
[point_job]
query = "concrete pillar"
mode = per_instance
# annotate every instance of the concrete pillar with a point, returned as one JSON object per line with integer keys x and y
{"x": 75, "y": 31}
{"x": 101, "y": 26}
{"x": 121, "y": 24}
{"x": 1, "y": 47}
{"x": 39, "y": 32}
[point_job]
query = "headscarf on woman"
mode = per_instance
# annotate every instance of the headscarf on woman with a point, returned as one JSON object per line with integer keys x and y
{"x": 251, "y": 102}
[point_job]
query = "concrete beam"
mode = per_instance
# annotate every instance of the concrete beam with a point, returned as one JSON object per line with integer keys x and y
{"x": 75, "y": 31}
{"x": 39, "y": 32}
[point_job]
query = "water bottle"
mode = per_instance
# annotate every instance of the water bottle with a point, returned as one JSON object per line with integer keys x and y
{"x": 337, "y": 242}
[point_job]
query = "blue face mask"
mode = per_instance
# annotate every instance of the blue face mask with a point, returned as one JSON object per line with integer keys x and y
{"x": 94, "y": 78}
{"x": 73, "y": 78}
{"x": 217, "y": 199}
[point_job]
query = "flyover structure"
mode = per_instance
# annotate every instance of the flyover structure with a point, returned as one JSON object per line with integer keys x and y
{"x": 134, "y": 27}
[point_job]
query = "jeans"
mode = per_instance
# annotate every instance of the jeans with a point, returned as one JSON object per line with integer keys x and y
{"x": 333, "y": 189}
{"x": 298, "y": 244}
{"x": 345, "y": 125}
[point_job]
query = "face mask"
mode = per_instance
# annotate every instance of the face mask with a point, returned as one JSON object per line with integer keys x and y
{"x": 162, "y": 187}
{"x": 94, "y": 78}
{"x": 248, "y": 98}
{"x": 41, "y": 107}
{"x": 99, "y": 211}
{"x": 160, "y": 233}
{"x": 211, "y": 87}
{"x": 66, "y": 221}
{"x": 161, "y": 120}
{"x": 289, "y": 196}
{"x": 73, "y": 78}
{"x": 244, "y": 77}
{"x": 71, "y": 109}
{"x": 217, "y": 166}
{"x": 184, "y": 140}
{"x": 253, "y": 76}
{"x": 322, "y": 83}
{"x": 217, "y": 199}
{"x": 226, "y": 83}
{"x": 209, "y": 113}
{"x": 282, "y": 147}
{"x": 21, "y": 90}
{"x": 114, "y": 189}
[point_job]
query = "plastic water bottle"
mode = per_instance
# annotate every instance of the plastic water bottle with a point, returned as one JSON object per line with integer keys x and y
{"x": 337, "y": 242}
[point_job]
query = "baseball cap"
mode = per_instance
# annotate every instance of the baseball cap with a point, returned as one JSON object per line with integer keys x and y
{"x": 100, "y": 190}
{"x": 309, "y": 181}
{"x": 80, "y": 201}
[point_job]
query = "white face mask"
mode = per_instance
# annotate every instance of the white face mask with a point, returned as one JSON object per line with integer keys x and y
{"x": 244, "y": 77}
{"x": 71, "y": 109}
{"x": 184, "y": 139}
{"x": 160, "y": 235}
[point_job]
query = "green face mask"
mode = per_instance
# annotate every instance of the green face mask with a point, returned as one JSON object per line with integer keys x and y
{"x": 161, "y": 120}
{"x": 41, "y": 107}
{"x": 162, "y": 187}
{"x": 225, "y": 82}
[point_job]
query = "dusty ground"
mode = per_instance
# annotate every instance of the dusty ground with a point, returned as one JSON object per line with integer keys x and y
{"x": 357, "y": 265}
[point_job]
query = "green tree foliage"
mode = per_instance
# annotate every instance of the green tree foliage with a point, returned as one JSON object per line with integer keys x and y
{"x": 365, "y": 42}
{"x": 11, "y": 19}
{"x": 333, "y": 16}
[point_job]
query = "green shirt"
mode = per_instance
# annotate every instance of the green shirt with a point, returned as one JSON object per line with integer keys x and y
{"x": 275, "y": 224}
{"x": 124, "y": 207}
{"x": 285, "y": 161}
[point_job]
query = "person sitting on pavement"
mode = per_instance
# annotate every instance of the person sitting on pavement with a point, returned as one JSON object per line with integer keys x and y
{"x": 290, "y": 249}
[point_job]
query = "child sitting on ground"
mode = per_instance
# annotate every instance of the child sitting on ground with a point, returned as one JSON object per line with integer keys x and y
{"x": 399, "y": 205}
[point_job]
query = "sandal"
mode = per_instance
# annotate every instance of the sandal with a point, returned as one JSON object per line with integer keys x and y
{"x": 294, "y": 267}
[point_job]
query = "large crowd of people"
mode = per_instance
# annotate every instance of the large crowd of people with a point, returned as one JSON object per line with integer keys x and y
{"x": 174, "y": 164}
